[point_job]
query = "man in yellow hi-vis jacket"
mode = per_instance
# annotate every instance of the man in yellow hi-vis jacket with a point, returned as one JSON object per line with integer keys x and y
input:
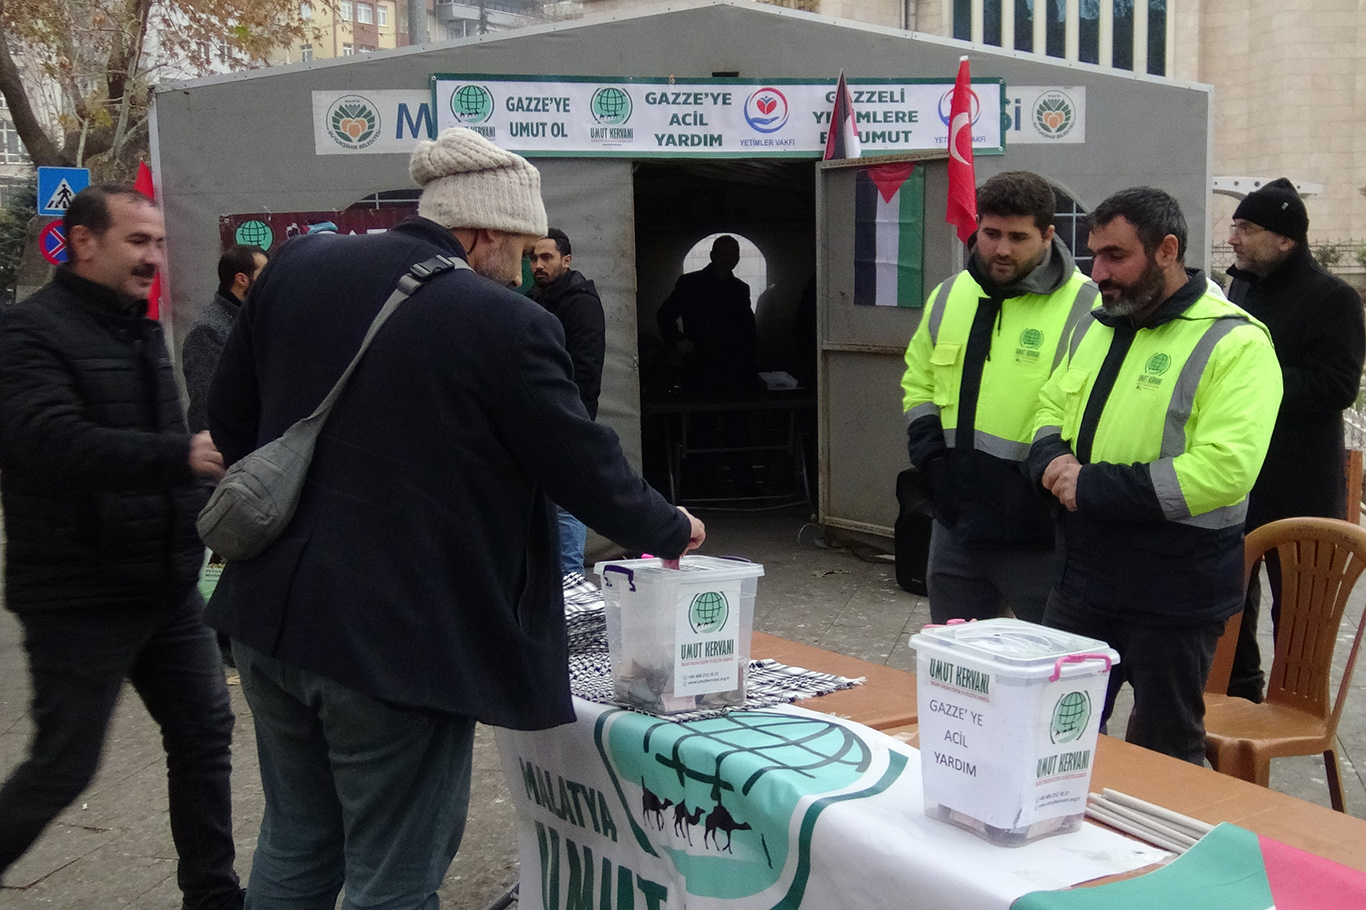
{"x": 989, "y": 339}
{"x": 1150, "y": 434}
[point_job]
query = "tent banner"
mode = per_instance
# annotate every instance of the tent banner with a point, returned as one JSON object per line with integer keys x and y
{"x": 569, "y": 116}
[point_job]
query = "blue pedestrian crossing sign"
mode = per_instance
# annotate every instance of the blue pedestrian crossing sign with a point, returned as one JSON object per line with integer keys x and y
{"x": 57, "y": 186}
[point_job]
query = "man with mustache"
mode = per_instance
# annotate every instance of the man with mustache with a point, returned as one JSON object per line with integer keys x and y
{"x": 101, "y": 487}
{"x": 1150, "y": 434}
{"x": 1316, "y": 321}
{"x": 573, "y": 300}
{"x": 985, "y": 345}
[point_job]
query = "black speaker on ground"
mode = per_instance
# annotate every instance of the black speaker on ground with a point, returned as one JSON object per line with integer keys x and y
{"x": 912, "y": 530}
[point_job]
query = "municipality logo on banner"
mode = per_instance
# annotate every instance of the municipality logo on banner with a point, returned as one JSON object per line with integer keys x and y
{"x": 353, "y": 122}
{"x": 370, "y": 122}
{"x": 1046, "y": 114}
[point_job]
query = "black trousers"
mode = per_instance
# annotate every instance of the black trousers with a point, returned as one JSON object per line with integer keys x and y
{"x": 1166, "y": 667}
{"x": 78, "y": 660}
{"x": 1247, "y": 679}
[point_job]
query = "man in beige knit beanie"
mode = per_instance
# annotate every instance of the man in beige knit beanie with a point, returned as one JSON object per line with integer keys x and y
{"x": 417, "y": 588}
{"x": 489, "y": 198}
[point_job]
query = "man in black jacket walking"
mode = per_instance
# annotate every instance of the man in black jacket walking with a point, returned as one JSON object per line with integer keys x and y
{"x": 1316, "y": 323}
{"x": 100, "y": 481}
{"x": 573, "y": 300}
{"x": 417, "y": 588}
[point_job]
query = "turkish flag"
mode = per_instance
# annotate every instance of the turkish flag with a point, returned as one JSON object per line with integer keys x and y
{"x": 143, "y": 184}
{"x": 962, "y": 209}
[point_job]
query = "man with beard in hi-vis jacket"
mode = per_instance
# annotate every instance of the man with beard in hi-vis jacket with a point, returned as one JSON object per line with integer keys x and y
{"x": 1150, "y": 434}
{"x": 988, "y": 340}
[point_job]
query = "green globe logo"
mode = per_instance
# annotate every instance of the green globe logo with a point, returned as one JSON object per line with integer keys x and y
{"x": 353, "y": 122}
{"x": 1157, "y": 365}
{"x": 611, "y": 105}
{"x": 472, "y": 104}
{"x": 708, "y": 612}
{"x": 1070, "y": 716}
{"x": 254, "y": 233}
{"x": 1032, "y": 339}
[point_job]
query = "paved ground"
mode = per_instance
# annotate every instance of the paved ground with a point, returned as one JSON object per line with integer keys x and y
{"x": 112, "y": 848}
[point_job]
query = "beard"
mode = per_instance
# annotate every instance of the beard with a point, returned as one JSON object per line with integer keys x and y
{"x": 1019, "y": 270}
{"x": 1136, "y": 296}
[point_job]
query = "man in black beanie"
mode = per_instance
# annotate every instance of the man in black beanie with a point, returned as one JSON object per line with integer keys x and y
{"x": 1316, "y": 323}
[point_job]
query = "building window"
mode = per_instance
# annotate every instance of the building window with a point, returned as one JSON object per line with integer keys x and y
{"x": 365, "y": 14}
{"x": 1012, "y": 23}
{"x": 306, "y": 53}
{"x": 348, "y": 50}
{"x": 383, "y": 10}
{"x": 345, "y": 9}
{"x": 367, "y": 49}
{"x": 1069, "y": 221}
{"x": 11, "y": 149}
{"x": 305, "y": 11}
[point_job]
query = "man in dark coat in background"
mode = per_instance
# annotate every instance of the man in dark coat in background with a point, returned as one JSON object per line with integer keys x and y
{"x": 718, "y": 338}
{"x": 238, "y": 269}
{"x": 574, "y": 301}
{"x": 101, "y": 486}
{"x": 417, "y": 588}
{"x": 1316, "y": 323}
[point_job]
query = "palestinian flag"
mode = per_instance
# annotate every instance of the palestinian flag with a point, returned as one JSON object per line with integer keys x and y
{"x": 1229, "y": 869}
{"x": 889, "y": 235}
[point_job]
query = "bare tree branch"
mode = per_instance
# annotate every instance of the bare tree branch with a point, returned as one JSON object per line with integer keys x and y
{"x": 40, "y": 146}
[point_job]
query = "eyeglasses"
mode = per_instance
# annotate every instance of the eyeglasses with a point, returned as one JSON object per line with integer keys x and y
{"x": 1245, "y": 229}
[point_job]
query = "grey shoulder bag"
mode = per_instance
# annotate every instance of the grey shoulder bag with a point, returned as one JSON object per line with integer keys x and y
{"x": 256, "y": 499}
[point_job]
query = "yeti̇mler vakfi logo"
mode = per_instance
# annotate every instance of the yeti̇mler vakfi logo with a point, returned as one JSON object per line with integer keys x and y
{"x": 472, "y": 104}
{"x": 1054, "y": 115}
{"x": 353, "y": 122}
{"x": 1070, "y": 717}
{"x": 766, "y": 110}
{"x": 610, "y": 106}
{"x": 708, "y": 612}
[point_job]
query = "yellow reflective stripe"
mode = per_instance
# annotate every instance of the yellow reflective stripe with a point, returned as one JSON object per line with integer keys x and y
{"x": 928, "y": 409}
{"x": 1008, "y": 449}
{"x": 1081, "y": 308}
{"x": 1167, "y": 486}
{"x": 1188, "y": 383}
{"x": 937, "y": 307}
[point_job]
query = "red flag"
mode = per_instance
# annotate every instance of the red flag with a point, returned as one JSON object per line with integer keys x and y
{"x": 842, "y": 140}
{"x": 962, "y": 211}
{"x": 143, "y": 184}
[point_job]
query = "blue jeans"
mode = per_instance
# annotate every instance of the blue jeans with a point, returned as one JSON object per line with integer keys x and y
{"x": 358, "y": 792}
{"x": 573, "y": 537}
{"x": 78, "y": 660}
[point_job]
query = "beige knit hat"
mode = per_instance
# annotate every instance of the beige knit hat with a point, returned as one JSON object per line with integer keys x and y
{"x": 468, "y": 181}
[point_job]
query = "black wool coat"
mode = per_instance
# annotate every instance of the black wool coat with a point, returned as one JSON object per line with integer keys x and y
{"x": 574, "y": 301}
{"x": 94, "y": 456}
{"x": 1316, "y": 323}
{"x": 422, "y": 565}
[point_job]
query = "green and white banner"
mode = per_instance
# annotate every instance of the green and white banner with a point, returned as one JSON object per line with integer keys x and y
{"x": 735, "y": 118}
{"x": 758, "y": 810}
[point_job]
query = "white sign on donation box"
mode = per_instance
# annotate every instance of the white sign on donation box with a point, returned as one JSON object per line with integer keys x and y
{"x": 1009, "y": 715}
{"x": 707, "y": 637}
